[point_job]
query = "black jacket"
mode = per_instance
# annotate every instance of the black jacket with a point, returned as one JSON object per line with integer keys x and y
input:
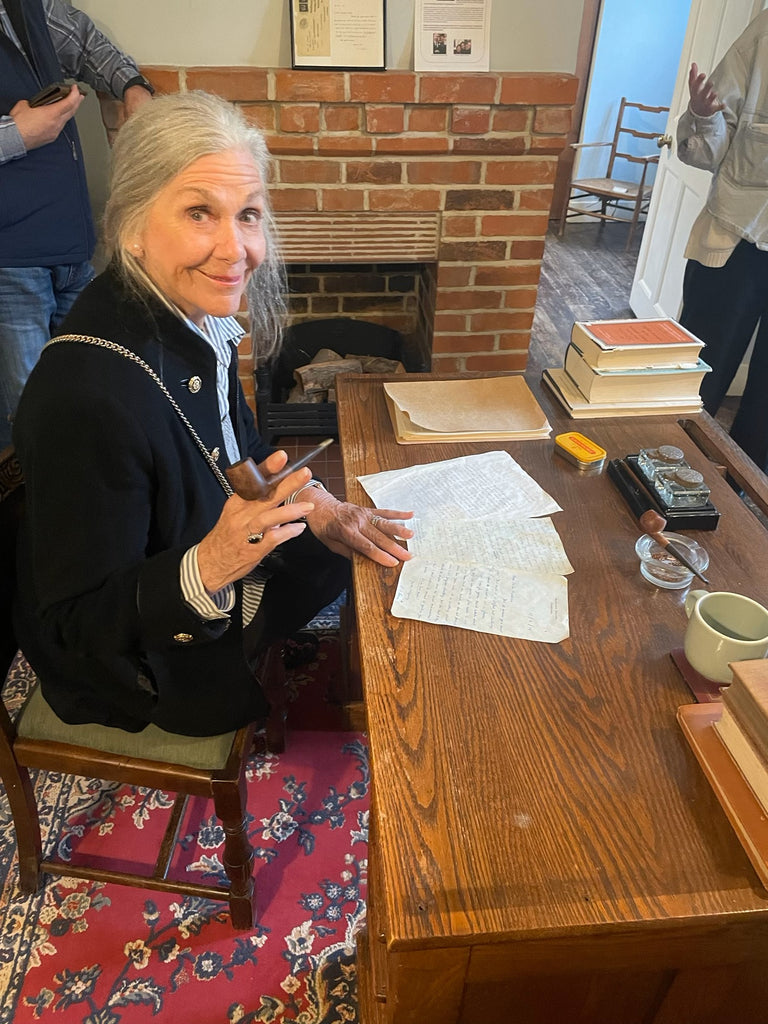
{"x": 117, "y": 491}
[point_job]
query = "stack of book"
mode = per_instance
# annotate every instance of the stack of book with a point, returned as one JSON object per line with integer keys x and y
{"x": 629, "y": 368}
{"x": 743, "y": 724}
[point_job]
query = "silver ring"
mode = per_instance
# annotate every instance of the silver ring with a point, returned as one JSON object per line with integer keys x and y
{"x": 255, "y": 538}
{"x": 375, "y": 520}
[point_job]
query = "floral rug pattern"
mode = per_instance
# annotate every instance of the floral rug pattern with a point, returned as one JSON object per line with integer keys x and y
{"x": 84, "y": 952}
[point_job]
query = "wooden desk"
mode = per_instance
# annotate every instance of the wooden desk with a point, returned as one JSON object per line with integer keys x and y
{"x": 544, "y": 847}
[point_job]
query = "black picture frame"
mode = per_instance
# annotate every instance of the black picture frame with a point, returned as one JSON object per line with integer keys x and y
{"x": 320, "y": 42}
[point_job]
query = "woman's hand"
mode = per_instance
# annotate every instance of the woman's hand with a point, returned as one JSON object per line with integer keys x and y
{"x": 226, "y": 554}
{"x": 704, "y": 100}
{"x": 373, "y": 532}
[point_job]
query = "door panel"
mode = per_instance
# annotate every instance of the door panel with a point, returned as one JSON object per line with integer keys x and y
{"x": 680, "y": 191}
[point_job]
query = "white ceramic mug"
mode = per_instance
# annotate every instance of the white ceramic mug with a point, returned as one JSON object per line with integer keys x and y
{"x": 723, "y": 627}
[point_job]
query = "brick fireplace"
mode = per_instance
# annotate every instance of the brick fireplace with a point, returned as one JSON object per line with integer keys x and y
{"x": 385, "y": 177}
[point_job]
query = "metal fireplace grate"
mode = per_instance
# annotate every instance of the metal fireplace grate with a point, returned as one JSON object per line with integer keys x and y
{"x": 276, "y": 417}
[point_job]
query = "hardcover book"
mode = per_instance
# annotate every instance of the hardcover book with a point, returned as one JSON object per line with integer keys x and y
{"x": 679, "y": 383}
{"x": 634, "y": 344}
{"x": 572, "y": 400}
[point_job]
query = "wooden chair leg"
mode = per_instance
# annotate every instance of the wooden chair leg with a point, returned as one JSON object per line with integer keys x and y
{"x": 229, "y": 797}
{"x": 21, "y": 797}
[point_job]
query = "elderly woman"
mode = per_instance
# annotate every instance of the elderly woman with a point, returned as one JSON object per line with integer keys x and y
{"x": 147, "y": 589}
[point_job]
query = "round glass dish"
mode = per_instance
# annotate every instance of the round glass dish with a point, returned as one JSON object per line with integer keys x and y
{"x": 659, "y": 567}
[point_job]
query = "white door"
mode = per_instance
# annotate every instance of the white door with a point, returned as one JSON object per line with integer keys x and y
{"x": 680, "y": 191}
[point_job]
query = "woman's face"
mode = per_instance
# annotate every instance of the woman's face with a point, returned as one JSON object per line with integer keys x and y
{"x": 203, "y": 234}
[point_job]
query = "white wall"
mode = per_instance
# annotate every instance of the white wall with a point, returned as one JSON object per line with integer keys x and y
{"x": 540, "y": 36}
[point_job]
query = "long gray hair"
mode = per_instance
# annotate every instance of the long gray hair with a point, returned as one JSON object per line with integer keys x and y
{"x": 158, "y": 142}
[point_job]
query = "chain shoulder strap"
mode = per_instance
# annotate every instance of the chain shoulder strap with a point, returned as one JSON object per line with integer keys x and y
{"x": 127, "y": 353}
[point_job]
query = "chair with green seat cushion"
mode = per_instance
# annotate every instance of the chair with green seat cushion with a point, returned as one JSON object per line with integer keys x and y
{"x": 212, "y": 767}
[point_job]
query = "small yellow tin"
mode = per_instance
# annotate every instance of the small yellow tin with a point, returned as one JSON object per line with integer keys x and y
{"x": 580, "y": 450}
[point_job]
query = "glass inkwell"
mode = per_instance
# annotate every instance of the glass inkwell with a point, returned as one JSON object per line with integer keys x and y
{"x": 682, "y": 487}
{"x": 657, "y": 462}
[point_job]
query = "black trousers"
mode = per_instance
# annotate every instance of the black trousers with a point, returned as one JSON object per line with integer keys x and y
{"x": 722, "y": 306}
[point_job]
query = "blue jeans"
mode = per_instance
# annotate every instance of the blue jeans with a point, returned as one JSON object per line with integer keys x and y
{"x": 33, "y": 302}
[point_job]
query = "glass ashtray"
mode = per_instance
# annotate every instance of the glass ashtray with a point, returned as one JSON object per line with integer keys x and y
{"x": 661, "y": 568}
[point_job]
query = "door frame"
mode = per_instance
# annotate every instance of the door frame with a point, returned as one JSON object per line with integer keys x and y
{"x": 585, "y": 53}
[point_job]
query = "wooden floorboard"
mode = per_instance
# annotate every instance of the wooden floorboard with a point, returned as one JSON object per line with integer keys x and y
{"x": 585, "y": 275}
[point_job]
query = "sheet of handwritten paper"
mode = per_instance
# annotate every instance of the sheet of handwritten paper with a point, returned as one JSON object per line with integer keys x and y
{"x": 482, "y": 560}
{"x": 484, "y": 598}
{"x": 472, "y": 487}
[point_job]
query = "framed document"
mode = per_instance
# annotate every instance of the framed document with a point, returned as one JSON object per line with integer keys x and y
{"x": 342, "y": 35}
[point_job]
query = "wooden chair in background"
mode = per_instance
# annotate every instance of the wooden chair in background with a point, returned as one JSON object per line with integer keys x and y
{"x": 617, "y": 195}
{"x": 211, "y": 767}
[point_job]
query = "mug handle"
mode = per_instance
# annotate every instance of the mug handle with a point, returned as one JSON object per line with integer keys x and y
{"x": 692, "y": 599}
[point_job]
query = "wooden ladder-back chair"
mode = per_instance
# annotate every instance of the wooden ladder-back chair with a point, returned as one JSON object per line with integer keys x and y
{"x": 211, "y": 767}
{"x": 617, "y": 195}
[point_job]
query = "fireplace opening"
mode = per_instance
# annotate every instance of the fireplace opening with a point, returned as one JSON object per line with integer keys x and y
{"x": 279, "y": 413}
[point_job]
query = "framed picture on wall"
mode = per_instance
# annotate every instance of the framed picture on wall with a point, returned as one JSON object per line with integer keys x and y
{"x": 342, "y": 35}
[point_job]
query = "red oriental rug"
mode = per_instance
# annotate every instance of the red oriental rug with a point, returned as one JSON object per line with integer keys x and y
{"x": 82, "y": 952}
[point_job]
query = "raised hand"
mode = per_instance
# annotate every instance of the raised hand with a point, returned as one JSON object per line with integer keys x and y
{"x": 704, "y": 99}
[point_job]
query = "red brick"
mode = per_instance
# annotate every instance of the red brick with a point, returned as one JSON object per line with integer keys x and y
{"x": 535, "y": 199}
{"x": 450, "y": 322}
{"x": 453, "y": 88}
{"x": 341, "y": 145}
{"x": 470, "y": 120}
{"x": 459, "y": 227}
{"x": 446, "y": 172}
{"x": 320, "y": 172}
{"x": 467, "y": 342}
{"x": 405, "y": 199}
{"x": 313, "y": 86}
{"x": 290, "y": 144}
{"x": 528, "y": 250}
{"x": 515, "y": 342}
{"x": 497, "y": 145}
{"x": 468, "y": 252}
{"x": 295, "y": 117}
{"x": 520, "y": 172}
{"x": 552, "y": 120}
{"x": 343, "y": 199}
{"x": 293, "y": 199}
{"x": 230, "y": 83}
{"x": 496, "y": 361}
{"x": 521, "y": 298}
{"x": 163, "y": 79}
{"x": 511, "y": 119}
{"x": 547, "y": 87}
{"x": 469, "y": 300}
{"x": 549, "y": 144}
{"x": 506, "y": 224}
{"x": 480, "y": 199}
{"x": 443, "y": 364}
{"x": 428, "y": 119}
{"x": 413, "y": 145}
{"x": 507, "y": 274}
{"x": 380, "y": 120}
{"x": 374, "y": 172}
{"x": 342, "y": 118}
{"x": 261, "y": 114}
{"x": 391, "y": 87}
{"x": 453, "y": 277}
{"x": 502, "y": 320}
